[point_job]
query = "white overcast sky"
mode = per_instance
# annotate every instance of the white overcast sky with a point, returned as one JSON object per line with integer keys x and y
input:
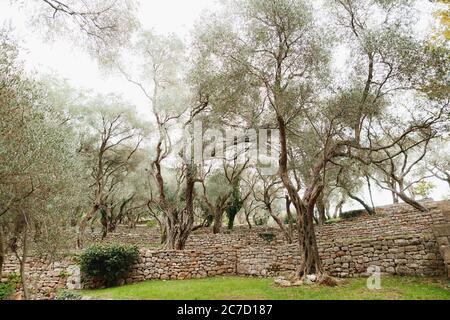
{"x": 163, "y": 16}
{"x": 62, "y": 59}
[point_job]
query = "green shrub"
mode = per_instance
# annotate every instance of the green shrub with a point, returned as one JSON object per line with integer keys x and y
{"x": 10, "y": 286}
{"x": 14, "y": 279}
{"x": 107, "y": 263}
{"x": 67, "y": 295}
{"x": 151, "y": 223}
{"x": 6, "y": 290}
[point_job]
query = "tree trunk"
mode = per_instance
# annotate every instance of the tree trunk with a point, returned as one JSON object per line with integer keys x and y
{"x": 321, "y": 210}
{"x": 394, "y": 198}
{"x": 83, "y": 223}
{"x": 369, "y": 185}
{"x": 310, "y": 260}
{"x": 179, "y": 224}
{"x": 172, "y": 234}
{"x": 162, "y": 228}
{"x": 22, "y": 261}
{"x": 280, "y": 224}
{"x": 338, "y": 209}
{"x": 232, "y": 212}
{"x": 394, "y": 193}
{"x": 247, "y": 218}
{"x": 367, "y": 207}
{"x": 290, "y": 218}
{"x": 411, "y": 202}
{"x": 163, "y": 234}
{"x": 327, "y": 211}
{"x": 204, "y": 224}
{"x": 187, "y": 218}
{"x": 104, "y": 221}
{"x": 217, "y": 225}
{"x": 177, "y": 233}
{"x": 231, "y": 222}
{"x": 23, "y": 276}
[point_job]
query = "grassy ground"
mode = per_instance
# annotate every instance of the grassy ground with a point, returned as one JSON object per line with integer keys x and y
{"x": 239, "y": 288}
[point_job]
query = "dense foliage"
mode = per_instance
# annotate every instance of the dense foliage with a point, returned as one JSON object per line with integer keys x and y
{"x": 107, "y": 263}
{"x": 9, "y": 287}
{"x": 6, "y": 290}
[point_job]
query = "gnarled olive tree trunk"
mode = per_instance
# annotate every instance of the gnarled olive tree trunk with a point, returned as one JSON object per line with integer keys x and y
{"x": 290, "y": 217}
{"x": 310, "y": 259}
{"x": 217, "y": 209}
{"x": 279, "y": 222}
{"x": 83, "y": 224}
{"x": 218, "y": 219}
{"x": 179, "y": 224}
{"x": 369, "y": 209}
{"x": 411, "y": 202}
{"x": 321, "y": 209}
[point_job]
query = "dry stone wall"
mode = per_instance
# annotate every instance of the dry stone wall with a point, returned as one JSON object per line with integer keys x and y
{"x": 187, "y": 264}
{"x": 441, "y": 232}
{"x": 401, "y": 255}
{"x": 44, "y": 278}
{"x": 390, "y": 221}
{"x": 399, "y": 240}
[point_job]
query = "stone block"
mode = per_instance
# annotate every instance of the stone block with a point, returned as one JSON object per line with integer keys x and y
{"x": 442, "y": 230}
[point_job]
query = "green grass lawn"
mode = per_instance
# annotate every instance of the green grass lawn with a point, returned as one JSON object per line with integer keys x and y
{"x": 240, "y": 288}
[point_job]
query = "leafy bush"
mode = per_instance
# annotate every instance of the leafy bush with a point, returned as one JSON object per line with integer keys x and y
{"x": 107, "y": 263}
{"x": 14, "y": 278}
{"x": 151, "y": 223}
{"x": 423, "y": 189}
{"x": 67, "y": 295}
{"x": 10, "y": 286}
{"x": 6, "y": 290}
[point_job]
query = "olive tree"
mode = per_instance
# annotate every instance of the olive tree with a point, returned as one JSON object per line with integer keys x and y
{"x": 109, "y": 144}
{"x": 99, "y": 26}
{"x": 282, "y": 50}
{"x": 158, "y": 74}
{"x": 39, "y": 167}
{"x": 438, "y": 161}
{"x": 221, "y": 191}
